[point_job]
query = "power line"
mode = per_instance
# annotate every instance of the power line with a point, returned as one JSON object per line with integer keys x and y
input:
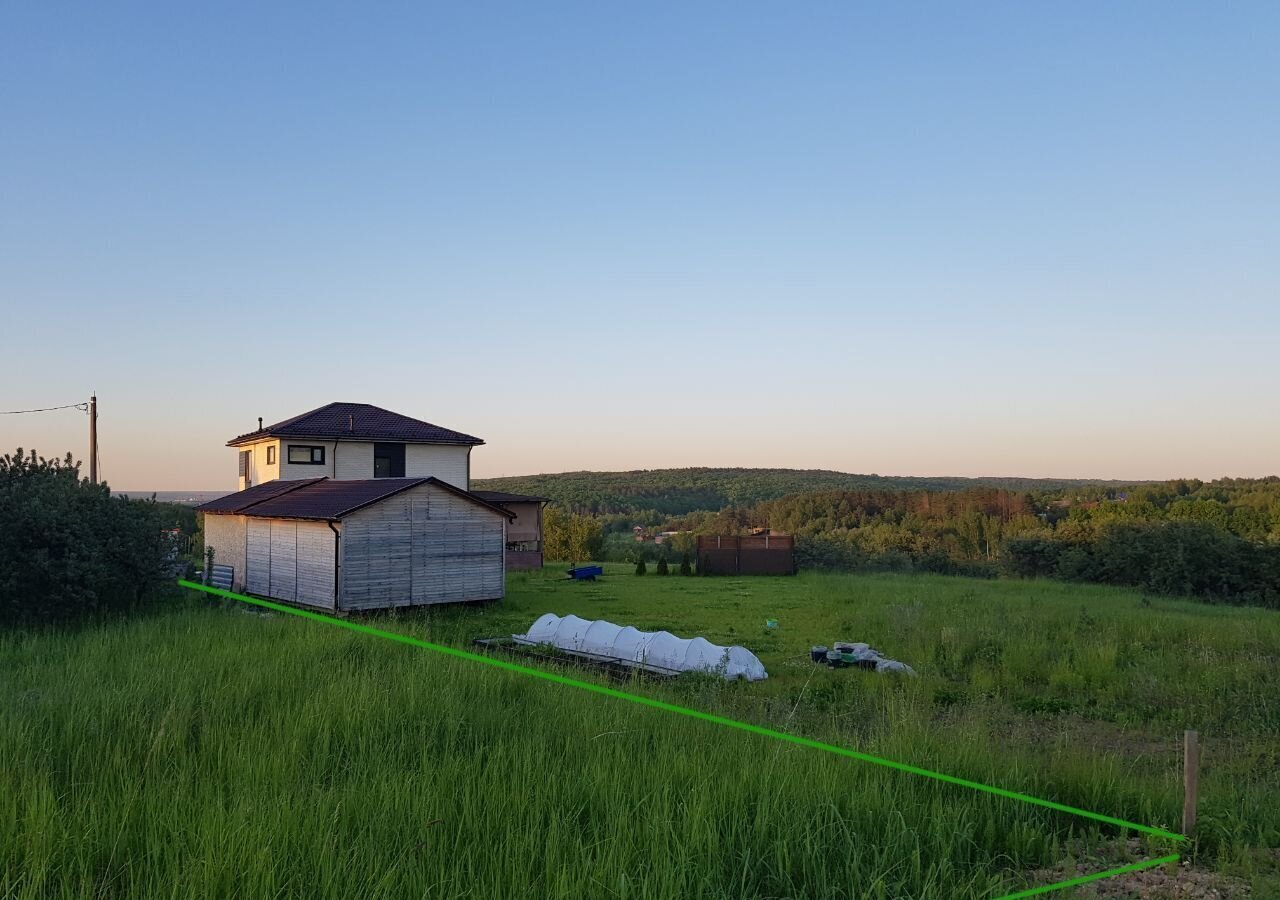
{"x": 18, "y": 412}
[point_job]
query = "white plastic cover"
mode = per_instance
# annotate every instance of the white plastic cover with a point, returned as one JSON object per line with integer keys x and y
{"x": 659, "y": 651}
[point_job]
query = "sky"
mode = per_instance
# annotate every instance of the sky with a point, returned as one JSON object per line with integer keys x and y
{"x": 900, "y": 238}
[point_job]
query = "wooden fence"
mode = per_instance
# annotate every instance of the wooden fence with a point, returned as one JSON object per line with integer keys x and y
{"x": 757, "y": 554}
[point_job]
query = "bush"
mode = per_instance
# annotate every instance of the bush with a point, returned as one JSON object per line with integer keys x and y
{"x": 662, "y": 565}
{"x": 685, "y": 567}
{"x": 640, "y": 566}
{"x": 68, "y": 549}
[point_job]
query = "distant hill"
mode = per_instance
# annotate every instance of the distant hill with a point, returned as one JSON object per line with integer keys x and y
{"x": 675, "y": 492}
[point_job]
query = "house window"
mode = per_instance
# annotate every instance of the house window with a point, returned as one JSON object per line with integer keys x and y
{"x": 306, "y": 455}
{"x": 271, "y": 454}
{"x": 388, "y": 460}
{"x": 244, "y": 463}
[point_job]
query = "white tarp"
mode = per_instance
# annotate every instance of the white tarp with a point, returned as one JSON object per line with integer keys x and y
{"x": 659, "y": 651}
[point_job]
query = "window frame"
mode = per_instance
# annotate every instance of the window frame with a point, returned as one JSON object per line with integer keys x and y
{"x": 395, "y": 452}
{"x": 271, "y": 454}
{"x": 312, "y": 448}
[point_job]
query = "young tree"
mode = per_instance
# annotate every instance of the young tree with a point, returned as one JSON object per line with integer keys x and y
{"x": 662, "y": 564}
{"x": 685, "y": 567}
{"x": 640, "y": 566}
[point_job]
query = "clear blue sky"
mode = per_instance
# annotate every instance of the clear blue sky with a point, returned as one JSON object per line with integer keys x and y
{"x": 901, "y": 238}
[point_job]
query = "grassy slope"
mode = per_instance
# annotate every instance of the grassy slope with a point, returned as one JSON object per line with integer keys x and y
{"x": 678, "y": 491}
{"x": 211, "y": 751}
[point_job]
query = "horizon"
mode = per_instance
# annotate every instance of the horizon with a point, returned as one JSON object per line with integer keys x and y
{"x": 1115, "y": 481}
{"x": 864, "y": 239}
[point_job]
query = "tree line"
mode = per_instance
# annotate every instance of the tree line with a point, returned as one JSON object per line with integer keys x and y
{"x": 1216, "y": 540}
{"x": 650, "y": 496}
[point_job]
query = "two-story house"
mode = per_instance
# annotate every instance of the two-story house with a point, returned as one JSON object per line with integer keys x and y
{"x": 351, "y": 506}
{"x": 347, "y": 441}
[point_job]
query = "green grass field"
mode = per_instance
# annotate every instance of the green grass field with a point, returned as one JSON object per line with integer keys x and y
{"x": 213, "y": 750}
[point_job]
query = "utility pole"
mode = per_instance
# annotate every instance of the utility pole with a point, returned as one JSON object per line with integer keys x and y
{"x": 93, "y": 439}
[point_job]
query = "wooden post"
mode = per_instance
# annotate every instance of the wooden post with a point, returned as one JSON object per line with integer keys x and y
{"x": 93, "y": 439}
{"x": 1190, "y": 779}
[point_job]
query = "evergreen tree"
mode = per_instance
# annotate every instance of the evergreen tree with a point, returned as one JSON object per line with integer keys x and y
{"x": 640, "y": 567}
{"x": 685, "y": 568}
{"x": 662, "y": 564}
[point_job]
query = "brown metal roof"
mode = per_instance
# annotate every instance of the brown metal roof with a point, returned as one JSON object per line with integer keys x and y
{"x": 358, "y": 421}
{"x": 326, "y": 499}
{"x": 234, "y": 503}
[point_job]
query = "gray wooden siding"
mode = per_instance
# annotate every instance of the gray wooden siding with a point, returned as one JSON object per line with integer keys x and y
{"x": 284, "y": 560}
{"x": 421, "y": 546}
{"x": 291, "y": 560}
{"x": 257, "y": 577}
{"x": 315, "y": 564}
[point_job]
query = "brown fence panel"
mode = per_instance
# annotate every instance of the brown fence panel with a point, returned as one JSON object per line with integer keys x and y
{"x": 718, "y": 562}
{"x": 767, "y": 562}
{"x": 763, "y": 554}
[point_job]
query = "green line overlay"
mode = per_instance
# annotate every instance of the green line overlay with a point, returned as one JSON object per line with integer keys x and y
{"x": 1097, "y": 876}
{"x": 727, "y": 723}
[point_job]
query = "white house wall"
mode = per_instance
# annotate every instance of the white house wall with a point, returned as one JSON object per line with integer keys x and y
{"x": 226, "y": 535}
{"x": 260, "y": 471}
{"x": 352, "y": 460}
{"x": 422, "y": 546}
{"x": 444, "y": 461}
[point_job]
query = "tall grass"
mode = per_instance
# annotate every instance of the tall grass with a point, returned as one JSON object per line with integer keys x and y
{"x": 218, "y": 752}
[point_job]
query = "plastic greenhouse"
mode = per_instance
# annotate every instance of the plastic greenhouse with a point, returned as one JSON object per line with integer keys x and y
{"x": 654, "y": 651}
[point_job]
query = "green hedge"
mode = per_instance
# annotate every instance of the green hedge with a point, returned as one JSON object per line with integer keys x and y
{"x": 68, "y": 549}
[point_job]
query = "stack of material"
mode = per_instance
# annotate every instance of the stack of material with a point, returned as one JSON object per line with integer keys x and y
{"x": 862, "y": 656}
{"x": 654, "y": 651}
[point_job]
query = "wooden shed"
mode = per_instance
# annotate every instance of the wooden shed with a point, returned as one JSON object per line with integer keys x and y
{"x": 360, "y": 544}
{"x": 524, "y": 532}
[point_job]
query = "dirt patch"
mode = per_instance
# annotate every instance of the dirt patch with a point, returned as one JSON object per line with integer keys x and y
{"x": 1169, "y": 882}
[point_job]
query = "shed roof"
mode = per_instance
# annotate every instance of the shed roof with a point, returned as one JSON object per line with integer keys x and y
{"x": 504, "y": 497}
{"x": 327, "y": 499}
{"x": 234, "y": 503}
{"x": 358, "y": 421}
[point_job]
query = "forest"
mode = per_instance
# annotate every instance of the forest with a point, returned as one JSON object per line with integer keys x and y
{"x": 1216, "y": 540}
{"x": 648, "y": 496}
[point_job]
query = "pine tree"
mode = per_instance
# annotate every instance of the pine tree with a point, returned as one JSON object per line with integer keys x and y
{"x": 685, "y": 568}
{"x": 662, "y": 565}
{"x": 640, "y": 567}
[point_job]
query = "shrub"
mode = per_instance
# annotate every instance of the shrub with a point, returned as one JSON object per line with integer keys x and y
{"x": 640, "y": 566}
{"x": 685, "y": 567}
{"x": 69, "y": 549}
{"x": 662, "y": 565}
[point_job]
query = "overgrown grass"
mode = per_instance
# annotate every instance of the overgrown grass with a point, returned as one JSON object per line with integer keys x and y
{"x": 214, "y": 751}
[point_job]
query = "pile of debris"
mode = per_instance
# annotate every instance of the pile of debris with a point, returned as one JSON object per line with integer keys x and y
{"x": 857, "y": 656}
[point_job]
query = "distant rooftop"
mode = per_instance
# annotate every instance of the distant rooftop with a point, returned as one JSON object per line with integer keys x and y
{"x": 357, "y": 421}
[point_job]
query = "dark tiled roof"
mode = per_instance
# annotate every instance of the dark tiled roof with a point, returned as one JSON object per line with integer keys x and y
{"x": 323, "y": 498}
{"x": 357, "y": 421}
{"x": 504, "y": 497}
{"x": 240, "y": 500}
